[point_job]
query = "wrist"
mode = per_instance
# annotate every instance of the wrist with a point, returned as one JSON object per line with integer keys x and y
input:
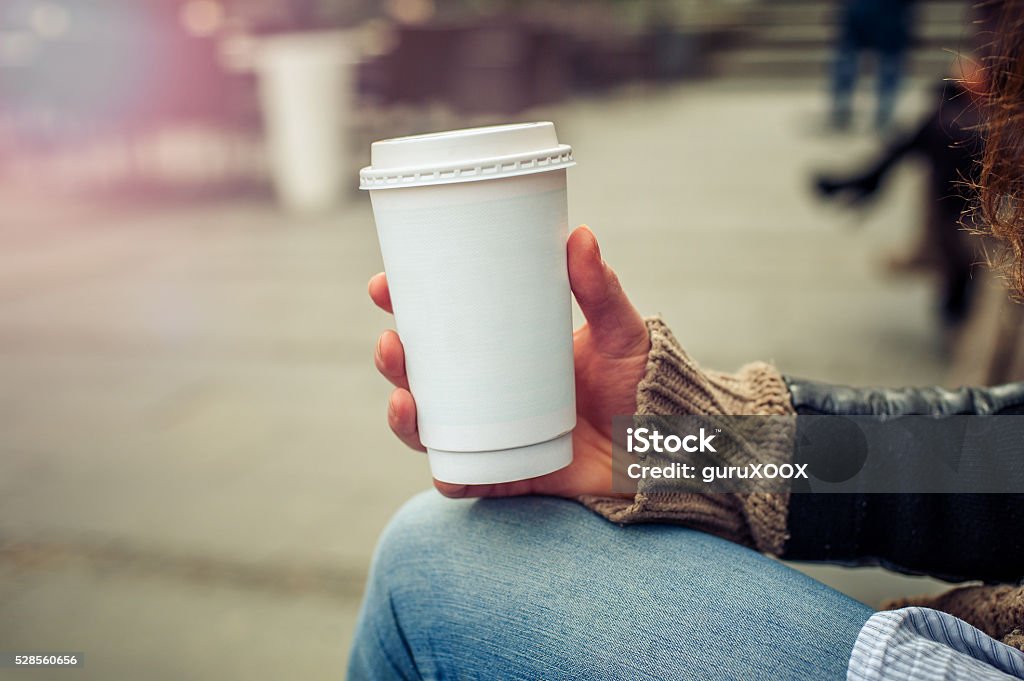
{"x": 673, "y": 383}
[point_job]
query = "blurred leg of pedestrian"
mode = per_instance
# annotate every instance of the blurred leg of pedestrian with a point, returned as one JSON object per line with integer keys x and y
{"x": 989, "y": 348}
{"x": 890, "y": 73}
{"x": 844, "y": 77}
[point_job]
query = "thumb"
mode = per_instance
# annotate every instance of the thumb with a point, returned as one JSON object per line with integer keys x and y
{"x": 617, "y": 328}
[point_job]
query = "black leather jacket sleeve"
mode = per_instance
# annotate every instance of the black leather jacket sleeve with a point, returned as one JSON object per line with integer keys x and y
{"x": 811, "y": 397}
{"x": 952, "y": 536}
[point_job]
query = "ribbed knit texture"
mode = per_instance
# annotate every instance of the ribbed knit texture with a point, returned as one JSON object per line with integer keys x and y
{"x": 673, "y": 384}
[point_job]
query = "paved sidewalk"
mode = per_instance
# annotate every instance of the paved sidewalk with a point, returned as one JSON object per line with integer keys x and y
{"x": 194, "y": 463}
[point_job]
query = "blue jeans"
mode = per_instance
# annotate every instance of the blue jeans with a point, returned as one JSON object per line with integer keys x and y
{"x": 844, "y": 80}
{"x": 541, "y": 588}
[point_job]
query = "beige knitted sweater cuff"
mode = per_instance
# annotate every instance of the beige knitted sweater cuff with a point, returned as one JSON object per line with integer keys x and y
{"x": 673, "y": 384}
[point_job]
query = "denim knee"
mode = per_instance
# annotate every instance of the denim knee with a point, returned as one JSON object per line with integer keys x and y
{"x": 434, "y": 546}
{"x": 416, "y": 532}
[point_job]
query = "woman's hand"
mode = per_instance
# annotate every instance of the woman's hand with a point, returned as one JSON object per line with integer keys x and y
{"x": 610, "y": 353}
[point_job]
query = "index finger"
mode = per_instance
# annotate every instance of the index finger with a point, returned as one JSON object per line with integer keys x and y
{"x": 379, "y": 293}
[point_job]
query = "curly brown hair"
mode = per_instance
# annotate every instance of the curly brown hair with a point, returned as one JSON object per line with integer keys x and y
{"x": 1001, "y": 177}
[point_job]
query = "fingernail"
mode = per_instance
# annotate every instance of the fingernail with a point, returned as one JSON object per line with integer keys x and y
{"x": 380, "y": 342}
{"x": 455, "y": 491}
{"x": 596, "y": 245}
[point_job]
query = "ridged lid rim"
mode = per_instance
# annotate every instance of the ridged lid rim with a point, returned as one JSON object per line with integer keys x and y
{"x": 468, "y": 171}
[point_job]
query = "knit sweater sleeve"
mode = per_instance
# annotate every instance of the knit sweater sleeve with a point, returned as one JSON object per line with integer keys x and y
{"x": 674, "y": 384}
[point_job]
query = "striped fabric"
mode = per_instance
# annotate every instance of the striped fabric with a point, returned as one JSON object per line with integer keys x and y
{"x": 921, "y": 644}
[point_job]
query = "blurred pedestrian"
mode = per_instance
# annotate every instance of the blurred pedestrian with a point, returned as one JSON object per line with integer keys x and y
{"x": 882, "y": 27}
{"x": 948, "y": 140}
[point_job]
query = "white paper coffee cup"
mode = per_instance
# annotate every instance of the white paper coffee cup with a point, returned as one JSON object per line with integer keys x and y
{"x": 472, "y": 227}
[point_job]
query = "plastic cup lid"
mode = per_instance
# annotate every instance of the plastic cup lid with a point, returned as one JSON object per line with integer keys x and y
{"x": 465, "y": 155}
